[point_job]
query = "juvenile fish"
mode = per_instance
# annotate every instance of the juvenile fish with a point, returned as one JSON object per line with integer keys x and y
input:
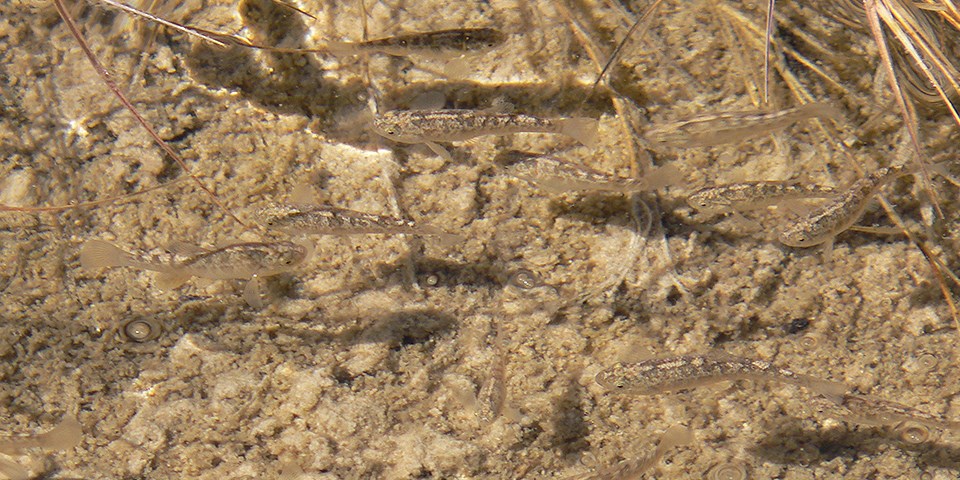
{"x": 675, "y": 436}
{"x": 730, "y": 127}
{"x": 64, "y": 436}
{"x": 241, "y": 260}
{"x": 823, "y": 224}
{"x": 453, "y": 41}
{"x": 877, "y": 411}
{"x": 745, "y": 196}
{"x": 687, "y": 371}
{"x": 431, "y": 126}
{"x": 556, "y": 175}
{"x": 326, "y": 220}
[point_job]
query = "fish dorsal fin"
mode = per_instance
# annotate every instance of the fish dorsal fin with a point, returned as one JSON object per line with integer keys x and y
{"x": 430, "y": 100}
{"x": 303, "y": 194}
{"x": 181, "y": 248}
{"x": 501, "y": 105}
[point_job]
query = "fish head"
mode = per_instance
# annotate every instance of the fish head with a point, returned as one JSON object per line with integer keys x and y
{"x": 390, "y": 125}
{"x": 276, "y": 216}
{"x": 610, "y": 380}
{"x": 800, "y": 238}
{"x": 484, "y": 38}
{"x": 283, "y": 256}
{"x": 702, "y": 202}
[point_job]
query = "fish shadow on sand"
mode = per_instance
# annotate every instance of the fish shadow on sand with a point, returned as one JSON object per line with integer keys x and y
{"x": 791, "y": 444}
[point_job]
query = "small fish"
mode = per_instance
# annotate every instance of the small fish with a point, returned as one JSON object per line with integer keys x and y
{"x": 241, "y": 260}
{"x": 877, "y": 411}
{"x": 823, "y": 224}
{"x": 687, "y": 371}
{"x": 675, "y": 436}
{"x": 730, "y": 127}
{"x": 745, "y": 196}
{"x": 303, "y": 218}
{"x": 557, "y": 175}
{"x": 431, "y": 126}
{"x": 455, "y": 41}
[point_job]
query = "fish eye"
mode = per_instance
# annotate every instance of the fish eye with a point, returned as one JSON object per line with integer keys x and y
{"x": 391, "y": 130}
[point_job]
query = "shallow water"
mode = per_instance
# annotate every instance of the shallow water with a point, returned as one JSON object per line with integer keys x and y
{"x": 396, "y": 357}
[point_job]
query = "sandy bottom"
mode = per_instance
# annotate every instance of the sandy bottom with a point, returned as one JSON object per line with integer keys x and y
{"x": 403, "y": 357}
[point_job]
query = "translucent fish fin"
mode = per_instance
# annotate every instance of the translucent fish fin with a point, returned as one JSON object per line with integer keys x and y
{"x": 676, "y": 436}
{"x": 444, "y": 239}
{"x": 172, "y": 279}
{"x": 432, "y": 100}
{"x": 550, "y": 186}
{"x": 185, "y": 249}
{"x": 457, "y": 68}
{"x": 665, "y": 176}
{"x": 99, "y": 254}
{"x": 747, "y": 224}
{"x": 796, "y": 207}
{"x": 943, "y": 169}
{"x": 439, "y": 150}
{"x": 342, "y": 49}
{"x": 303, "y": 194}
{"x": 13, "y": 470}
{"x": 583, "y": 130}
{"x": 501, "y": 105}
{"x": 64, "y": 436}
{"x": 877, "y": 230}
{"x": 307, "y": 245}
{"x": 827, "y": 388}
{"x": 251, "y": 293}
{"x": 828, "y": 252}
{"x": 824, "y": 110}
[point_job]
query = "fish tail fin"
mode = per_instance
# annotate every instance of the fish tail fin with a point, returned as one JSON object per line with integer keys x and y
{"x": 581, "y": 129}
{"x": 64, "y": 436}
{"x": 827, "y": 388}
{"x": 676, "y": 436}
{"x": 664, "y": 176}
{"x": 445, "y": 239}
{"x": 943, "y": 169}
{"x": 822, "y": 110}
{"x": 100, "y": 254}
